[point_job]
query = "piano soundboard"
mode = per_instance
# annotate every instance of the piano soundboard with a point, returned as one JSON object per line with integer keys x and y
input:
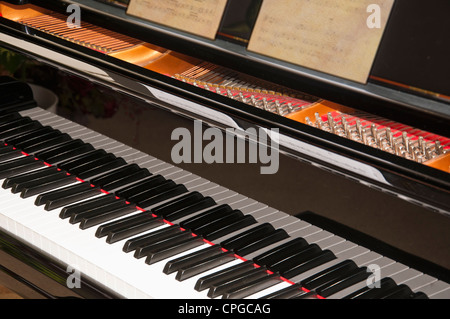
{"x": 143, "y": 228}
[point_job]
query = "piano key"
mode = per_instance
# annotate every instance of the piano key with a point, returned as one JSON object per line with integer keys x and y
{"x": 49, "y": 185}
{"x": 51, "y": 144}
{"x": 116, "y": 174}
{"x": 21, "y": 165}
{"x": 32, "y": 138}
{"x": 69, "y": 154}
{"x": 102, "y": 169}
{"x": 65, "y": 196}
{"x": 90, "y": 221}
{"x": 174, "y": 247}
{"x": 437, "y": 290}
{"x": 140, "y": 186}
{"x": 113, "y": 186}
{"x": 371, "y": 293}
{"x": 78, "y": 216}
{"x": 45, "y": 171}
{"x": 342, "y": 282}
{"x": 96, "y": 202}
{"x": 239, "y": 278}
{"x": 71, "y": 163}
{"x": 41, "y": 131}
{"x": 134, "y": 229}
{"x": 38, "y": 180}
{"x": 59, "y": 148}
{"x": 19, "y": 130}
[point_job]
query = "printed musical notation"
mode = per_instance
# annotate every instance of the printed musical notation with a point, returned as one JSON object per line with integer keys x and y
{"x": 200, "y": 17}
{"x": 335, "y": 37}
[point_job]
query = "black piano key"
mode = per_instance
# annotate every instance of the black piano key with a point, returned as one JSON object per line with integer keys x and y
{"x": 34, "y": 133}
{"x": 142, "y": 241}
{"x": 282, "y": 251}
{"x": 190, "y": 259}
{"x": 115, "y": 175}
{"x": 66, "y": 196}
{"x": 18, "y": 166}
{"x": 272, "y": 238}
{"x": 32, "y": 138}
{"x": 9, "y": 182}
{"x": 69, "y": 199}
{"x": 5, "y": 127}
{"x": 43, "y": 198}
{"x": 4, "y": 149}
{"x": 69, "y": 154}
{"x": 128, "y": 180}
{"x": 60, "y": 149}
{"x": 247, "y": 237}
{"x": 49, "y": 144}
{"x": 17, "y": 162}
{"x": 162, "y": 242}
{"x": 419, "y": 295}
{"x": 132, "y": 230}
{"x": 292, "y": 291}
{"x": 329, "y": 274}
{"x": 87, "y": 165}
{"x": 253, "y": 287}
{"x": 162, "y": 195}
{"x": 87, "y": 205}
{"x": 151, "y": 191}
{"x": 367, "y": 292}
{"x": 322, "y": 258}
{"x": 342, "y": 282}
{"x": 173, "y": 249}
{"x": 44, "y": 187}
{"x": 105, "y": 168}
{"x": 139, "y": 187}
{"x": 87, "y": 222}
{"x": 175, "y": 205}
{"x": 9, "y": 153}
{"x": 398, "y": 292}
{"x": 117, "y": 225}
{"x": 208, "y": 216}
{"x": 303, "y": 255}
{"x": 219, "y": 224}
{"x": 17, "y": 106}
{"x": 240, "y": 223}
{"x": 74, "y": 162}
{"x": 208, "y": 281}
{"x": 20, "y": 130}
{"x": 9, "y": 117}
{"x": 19, "y": 186}
{"x": 202, "y": 204}
{"x": 237, "y": 280}
{"x": 206, "y": 264}
{"x": 77, "y": 217}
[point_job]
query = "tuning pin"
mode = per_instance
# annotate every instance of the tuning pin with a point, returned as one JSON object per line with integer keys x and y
{"x": 278, "y": 107}
{"x": 438, "y": 148}
{"x": 374, "y": 130}
{"x": 319, "y": 123}
{"x": 390, "y": 137}
{"x": 308, "y": 121}
{"x": 242, "y": 98}
{"x": 359, "y": 128}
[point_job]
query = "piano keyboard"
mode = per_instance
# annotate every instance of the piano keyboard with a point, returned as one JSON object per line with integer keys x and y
{"x": 147, "y": 229}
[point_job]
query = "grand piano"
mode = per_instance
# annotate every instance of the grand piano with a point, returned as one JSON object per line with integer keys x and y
{"x": 94, "y": 205}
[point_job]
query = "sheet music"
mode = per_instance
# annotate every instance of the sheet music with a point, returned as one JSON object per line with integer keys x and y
{"x": 200, "y": 17}
{"x": 336, "y": 37}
